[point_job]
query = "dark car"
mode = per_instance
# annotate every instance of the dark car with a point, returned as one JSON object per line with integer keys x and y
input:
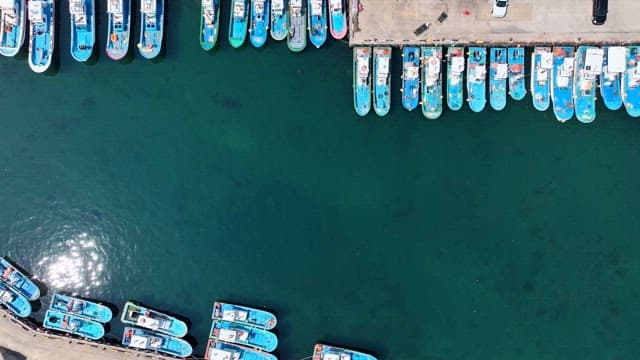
{"x": 599, "y": 15}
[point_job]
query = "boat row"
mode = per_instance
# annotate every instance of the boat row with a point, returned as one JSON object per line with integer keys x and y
{"x": 277, "y": 18}
{"x": 17, "y": 290}
{"x": 77, "y": 316}
{"x": 560, "y": 75}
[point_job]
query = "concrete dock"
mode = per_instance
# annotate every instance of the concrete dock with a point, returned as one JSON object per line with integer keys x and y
{"x": 528, "y": 22}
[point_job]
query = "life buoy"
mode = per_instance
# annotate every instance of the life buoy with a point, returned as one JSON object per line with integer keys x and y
{"x": 363, "y": 68}
{"x": 386, "y": 51}
{"x": 318, "y": 347}
{"x": 114, "y": 37}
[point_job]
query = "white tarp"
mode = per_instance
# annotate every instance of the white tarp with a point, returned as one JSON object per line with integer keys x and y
{"x": 232, "y": 315}
{"x": 331, "y": 357}
{"x": 502, "y": 71}
{"x": 616, "y": 59}
{"x": 149, "y": 7}
{"x": 139, "y": 342}
{"x": 593, "y": 61}
{"x": 217, "y": 354}
{"x": 7, "y": 4}
{"x": 567, "y": 66}
{"x": 546, "y": 60}
{"x": 227, "y": 335}
{"x": 316, "y": 7}
{"x": 363, "y": 67}
{"x": 457, "y": 64}
{"x": 114, "y": 7}
{"x": 35, "y": 11}
{"x": 238, "y": 9}
{"x": 277, "y": 6}
{"x": 335, "y": 5}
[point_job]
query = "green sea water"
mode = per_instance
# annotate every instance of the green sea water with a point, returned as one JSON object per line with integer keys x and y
{"x": 245, "y": 175}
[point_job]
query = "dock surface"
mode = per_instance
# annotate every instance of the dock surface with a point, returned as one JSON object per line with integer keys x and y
{"x": 528, "y": 22}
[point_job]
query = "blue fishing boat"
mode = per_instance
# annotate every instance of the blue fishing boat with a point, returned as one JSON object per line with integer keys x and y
{"x": 243, "y": 335}
{"x": 243, "y": 315}
{"x": 362, "y": 80}
{"x": 14, "y": 300}
{"x": 498, "y": 73}
{"x": 41, "y": 34}
{"x": 410, "y": 77}
{"x": 72, "y": 324}
{"x": 588, "y": 65}
{"x": 541, "y": 65}
{"x": 218, "y": 350}
{"x": 238, "y": 23}
{"x": 382, "y": 76}
{"x": 153, "y": 320}
{"x": 317, "y": 22}
{"x": 328, "y": 352}
{"x": 455, "y": 73}
{"x": 83, "y": 28}
{"x": 209, "y": 23}
{"x": 154, "y": 341}
{"x": 19, "y": 281}
{"x": 432, "y": 82}
{"x": 119, "y": 23}
{"x": 14, "y": 22}
{"x": 337, "y": 19}
{"x": 631, "y": 82}
{"x": 562, "y": 82}
{"x": 297, "y": 36}
{"x": 613, "y": 65}
{"x": 151, "y": 27}
{"x": 80, "y": 307}
{"x": 517, "y": 88}
{"x": 278, "y": 20}
{"x": 477, "y": 78}
{"x": 259, "y": 29}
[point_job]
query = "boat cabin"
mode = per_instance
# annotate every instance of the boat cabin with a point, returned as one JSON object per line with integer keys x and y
{"x": 235, "y": 315}
{"x": 9, "y": 14}
{"x": 209, "y": 12}
{"x": 502, "y": 71}
{"x": 383, "y": 69}
{"x": 616, "y": 59}
{"x": 238, "y": 10}
{"x": 233, "y": 336}
{"x": 36, "y": 12}
{"x": 277, "y": 7}
{"x": 593, "y": 62}
{"x": 218, "y": 354}
{"x": 316, "y": 8}
{"x": 335, "y": 5}
{"x": 78, "y": 12}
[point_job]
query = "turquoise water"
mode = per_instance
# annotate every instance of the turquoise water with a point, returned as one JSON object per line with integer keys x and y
{"x": 245, "y": 175}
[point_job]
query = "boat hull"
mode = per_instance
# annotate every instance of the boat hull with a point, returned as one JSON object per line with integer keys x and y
{"x": 12, "y": 37}
{"x": 455, "y": 77}
{"x": 562, "y": 84}
{"x": 517, "y": 88}
{"x": 238, "y": 24}
{"x": 80, "y": 307}
{"x": 83, "y": 36}
{"x": 243, "y": 335}
{"x": 317, "y": 23}
{"x": 410, "y": 77}
{"x": 143, "y": 317}
{"x": 432, "y": 82}
{"x": 362, "y": 80}
{"x": 209, "y": 26}
{"x": 259, "y": 28}
{"x": 151, "y": 31}
{"x": 322, "y": 351}
{"x": 14, "y": 300}
{"x": 584, "y": 87}
{"x": 297, "y": 35}
{"x": 119, "y": 25}
{"x": 631, "y": 82}
{"x": 18, "y": 280}
{"x": 244, "y": 315}
{"x": 476, "y": 78}
{"x": 41, "y": 39}
{"x": 155, "y": 341}
{"x": 338, "y": 20}
{"x": 498, "y": 78}
{"x": 382, "y": 80}
{"x": 223, "y": 350}
{"x": 71, "y": 324}
{"x": 540, "y": 78}
{"x": 279, "y": 21}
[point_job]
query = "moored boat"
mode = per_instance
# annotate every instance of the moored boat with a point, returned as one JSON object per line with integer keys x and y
{"x": 455, "y": 73}
{"x": 81, "y": 307}
{"x": 154, "y": 341}
{"x": 72, "y": 324}
{"x": 278, "y": 20}
{"x": 362, "y": 80}
{"x": 19, "y": 281}
{"x": 477, "y": 78}
{"x": 259, "y": 28}
{"x": 243, "y": 335}
{"x": 631, "y": 82}
{"x": 317, "y": 22}
{"x": 153, "y": 320}
{"x": 238, "y": 23}
{"x": 541, "y": 67}
{"x": 14, "y": 300}
{"x": 588, "y": 65}
{"x": 41, "y": 34}
{"x": 119, "y": 23}
{"x": 151, "y": 27}
{"x": 562, "y": 82}
{"x": 297, "y": 36}
{"x": 218, "y": 350}
{"x": 328, "y": 352}
{"x": 410, "y": 77}
{"x": 432, "y": 82}
{"x": 382, "y": 76}
{"x": 498, "y": 73}
{"x": 244, "y": 315}
{"x": 14, "y": 22}
{"x": 337, "y": 19}
{"x": 517, "y": 88}
{"x": 83, "y": 28}
{"x": 209, "y": 23}
{"x": 613, "y": 65}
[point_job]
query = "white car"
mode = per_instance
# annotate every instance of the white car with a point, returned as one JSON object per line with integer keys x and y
{"x": 499, "y": 8}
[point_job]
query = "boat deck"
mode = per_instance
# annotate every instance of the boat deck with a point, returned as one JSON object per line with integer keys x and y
{"x": 528, "y": 22}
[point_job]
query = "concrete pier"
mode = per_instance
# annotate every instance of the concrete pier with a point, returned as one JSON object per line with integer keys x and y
{"x": 528, "y": 22}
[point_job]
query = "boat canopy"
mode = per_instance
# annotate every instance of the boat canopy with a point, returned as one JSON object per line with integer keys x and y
{"x": 36, "y": 14}
{"x": 218, "y": 354}
{"x": 7, "y": 4}
{"x": 238, "y": 9}
{"x": 457, "y": 64}
{"x": 139, "y": 342}
{"x": 593, "y": 61}
{"x": 277, "y": 7}
{"x": 316, "y": 7}
{"x": 502, "y": 71}
{"x": 335, "y": 5}
{"x": 546, "y": 60}
{"x": 149, "y": 7}
{"x": 234, "y": 315}
{"x": 114, "y": 7}
{"x": 412, "y": 72}
{"x": 616, "y": 59}
{"x": 567, "y": 67}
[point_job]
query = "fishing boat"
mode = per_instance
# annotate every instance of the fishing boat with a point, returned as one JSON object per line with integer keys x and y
{"x": 562, "y": 82}
{"x": 362, "y": 80}
{"x": 337, "y": 19}
{"x": 83, "y": 28}
{"x": 238, "y": 23}
{"x": 541, "y": 65}
{"x": 41, "y": 34}
{"x": 19, "y": 281}
{"x": 218, "y": 350}
{"x": 278, "y": 20}
{"x": 455, "y": 73}
{"x": 72, "y": 324}
{"x": 382, "y": 76}
{"x": 297, "y": 36}
{"x": 151, "y": 27}
{"x": 13, "y": 18}
{"x": 153, "y": 320}
{"x": 154, "y": 341}
{"x": 243, "y": 335}
{"x": 328, "y": 352}
{"x": 517, "y": 88}
{"x": 80, "y": 307}
{"x": 613, "y": 65}
{"x": 209, "y": 23}
{"x": 259, "y": 29}
{"x": 588, "y": 65}
{"x": 317, "y": 22}
{"x": 410, "y": 77}
{"x": 477, "y": 78}
{"x": 119, "y": 22}
{"x": 432, "y": 82}
{"x": 14, "y": 300}
{"x": 498, "y": 73}
{"x": 631, "y": 82}
{"x": 243, "y": 315}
